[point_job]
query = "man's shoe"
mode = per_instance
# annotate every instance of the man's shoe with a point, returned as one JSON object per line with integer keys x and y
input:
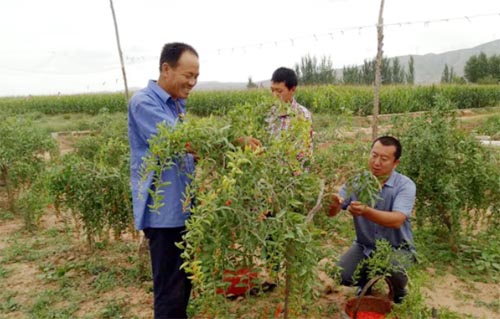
{"x": 398, "y": 297}
{"x": 266, "y": 286}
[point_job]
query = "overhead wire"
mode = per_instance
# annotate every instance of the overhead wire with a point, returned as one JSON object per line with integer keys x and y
{"x": 330, "y": 34}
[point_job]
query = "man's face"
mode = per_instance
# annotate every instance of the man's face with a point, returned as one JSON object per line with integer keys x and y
{"x": 280, "y": 91}
{"x": 179, "y": 81}
{"x": 382, "y": 159}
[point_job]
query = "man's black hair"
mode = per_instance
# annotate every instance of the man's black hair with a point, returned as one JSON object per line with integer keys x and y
{"x": 172, "y": 52}
{"x": 285, "y": 75}
{"x": 388, "y": 141}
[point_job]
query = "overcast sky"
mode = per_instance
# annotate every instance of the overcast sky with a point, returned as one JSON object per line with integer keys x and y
{"x": 69, "y": 46}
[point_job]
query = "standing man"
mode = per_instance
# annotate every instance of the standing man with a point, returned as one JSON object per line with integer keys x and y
{"x": 283, "y": 85}
{"x": 163, "y": 101}
{"x": 389, "y": 219}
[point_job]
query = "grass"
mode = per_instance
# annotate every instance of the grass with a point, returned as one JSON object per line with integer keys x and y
{"x": 6, "y": 214}
{"x": 115, "y": 309}
{"x": 494, "y": 305}
{"x": 4, "y": 272}
{"x": 484, "y": 121}
{"x": 72, "y": 121}
{"x": 53, "y": 304}
{"x": 8, "y": 302}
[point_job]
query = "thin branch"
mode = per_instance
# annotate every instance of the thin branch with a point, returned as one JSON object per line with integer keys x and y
{"x": 318, "y": 205}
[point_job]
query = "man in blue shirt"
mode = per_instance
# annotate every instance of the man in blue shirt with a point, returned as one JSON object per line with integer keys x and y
{"x": 163, "y": 101}
{"x": 389, "y": 219}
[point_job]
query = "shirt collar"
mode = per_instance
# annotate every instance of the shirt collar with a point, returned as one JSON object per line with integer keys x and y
{"x": 391, "y": 180}
{"x": 162, "y": 94}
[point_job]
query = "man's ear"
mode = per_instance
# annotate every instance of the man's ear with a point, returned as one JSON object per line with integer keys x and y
{"x": 165, "y": 67}
{"x": 292, "y": 90}
{"x": 396, "y": 163}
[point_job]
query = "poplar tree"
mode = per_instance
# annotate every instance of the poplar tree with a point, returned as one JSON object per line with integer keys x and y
{"x": 410, "y": 76}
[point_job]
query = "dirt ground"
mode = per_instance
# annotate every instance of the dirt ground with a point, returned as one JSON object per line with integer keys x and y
{"x": 442, "y": 292}
{"x": 450, "y": 292}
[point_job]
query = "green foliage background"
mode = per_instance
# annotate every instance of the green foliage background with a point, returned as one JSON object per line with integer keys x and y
{"x": 457, "y": 182}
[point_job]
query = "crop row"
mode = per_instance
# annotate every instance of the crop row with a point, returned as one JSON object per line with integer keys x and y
{"x": 327, "y": 99}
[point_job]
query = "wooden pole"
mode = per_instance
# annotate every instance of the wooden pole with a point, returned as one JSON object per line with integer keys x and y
{"x": 119, "y": 50}
{"x": 378, "y": 66}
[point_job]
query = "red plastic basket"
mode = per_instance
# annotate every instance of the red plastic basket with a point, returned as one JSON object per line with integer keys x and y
{"x": 241, "y": 281}
{"x": 364, "y": 307}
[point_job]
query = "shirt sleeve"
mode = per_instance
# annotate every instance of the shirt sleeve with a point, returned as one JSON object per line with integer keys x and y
{"x": 147, "y": 114}
{"x": 343, "y": 194}
{"x": 405, "y": 199}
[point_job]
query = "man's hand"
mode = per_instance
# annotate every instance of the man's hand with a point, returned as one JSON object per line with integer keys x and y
{"x": 336, "y": 205}
{"x": 189, "y": 149}
{"x": 357, "y": 208}
{"x": 249, "y": 141}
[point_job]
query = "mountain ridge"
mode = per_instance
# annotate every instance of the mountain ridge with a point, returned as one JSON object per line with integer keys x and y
{"x": 428, "y": 67}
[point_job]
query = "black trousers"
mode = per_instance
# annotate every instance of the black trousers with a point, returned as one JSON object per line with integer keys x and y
{"x": 171, "y": 286}
{"x": 350, "y": 260}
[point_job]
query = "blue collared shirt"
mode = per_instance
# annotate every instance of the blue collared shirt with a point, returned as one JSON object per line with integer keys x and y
{"x": 397, "y": 194}
{"x": 147, "y": 108}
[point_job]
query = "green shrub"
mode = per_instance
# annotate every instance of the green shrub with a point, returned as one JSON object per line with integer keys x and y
{"x": 23, "y": 151}
{"x": 457, "y": 178}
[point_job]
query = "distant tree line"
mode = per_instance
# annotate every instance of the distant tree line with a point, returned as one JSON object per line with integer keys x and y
{"x": 392, "y": 72}
{"x": 449, "y": 76}
{"x": 482, "y": 69}
{"x": 312, "y": 71}
{"x": 479, "y": 69}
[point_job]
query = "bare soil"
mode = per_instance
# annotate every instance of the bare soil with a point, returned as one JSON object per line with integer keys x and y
{"x": 443, "y": 292}
{"x": 23, "y": 278}
{"x": 450, "y": 292}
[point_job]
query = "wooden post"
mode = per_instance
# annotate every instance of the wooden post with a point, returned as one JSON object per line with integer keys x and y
{"x": 378, "y": 66}
{"x": 119, "y": 50}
